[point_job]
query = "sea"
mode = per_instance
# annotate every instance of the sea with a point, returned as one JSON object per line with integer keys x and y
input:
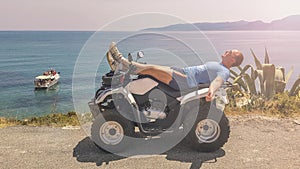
{"x": 79, "y": 56}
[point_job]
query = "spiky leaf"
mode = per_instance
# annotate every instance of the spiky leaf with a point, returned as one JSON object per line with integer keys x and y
{"x": 257, "y": 62}
{"x": 295, "y": 87}
{"x": 267, "y": 60}
{"x": 250, "y": 83}
{"x": 240, "y": 81}
{"x": 289, "y": 74}
{"x": 253, "y": 73}
{"x": 233, "y": 73}
{"x": 268, "y": 80}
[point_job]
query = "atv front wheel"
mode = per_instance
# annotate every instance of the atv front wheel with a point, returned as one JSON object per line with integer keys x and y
{"x": 110, "y": 131}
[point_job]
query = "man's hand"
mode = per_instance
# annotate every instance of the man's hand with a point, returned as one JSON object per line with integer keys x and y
{"x": 214, "y": 86}
{"x": 210, "y": 95}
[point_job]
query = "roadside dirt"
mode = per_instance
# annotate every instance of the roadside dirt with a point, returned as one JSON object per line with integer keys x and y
{"x": 255, "y": 142}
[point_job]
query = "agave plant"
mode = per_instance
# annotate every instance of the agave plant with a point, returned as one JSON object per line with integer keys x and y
{"x": 272, "y": 79}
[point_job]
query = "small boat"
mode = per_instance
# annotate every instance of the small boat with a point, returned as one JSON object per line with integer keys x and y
{"x": 47, "y": 79}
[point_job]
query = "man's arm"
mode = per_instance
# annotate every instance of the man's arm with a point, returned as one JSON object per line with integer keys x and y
{"x": 214, "y": 86}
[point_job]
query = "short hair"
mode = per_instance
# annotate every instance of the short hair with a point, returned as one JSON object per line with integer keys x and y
{"x": 238, "y": 59}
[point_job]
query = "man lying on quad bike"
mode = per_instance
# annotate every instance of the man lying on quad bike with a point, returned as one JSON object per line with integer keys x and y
{"x": 138, "y": 101}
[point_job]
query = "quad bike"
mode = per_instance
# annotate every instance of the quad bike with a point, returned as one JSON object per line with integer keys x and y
{"x": 137, "y": 106}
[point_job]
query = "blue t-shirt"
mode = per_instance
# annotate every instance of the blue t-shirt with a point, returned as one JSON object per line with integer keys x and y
{"x": 206, "y": 73}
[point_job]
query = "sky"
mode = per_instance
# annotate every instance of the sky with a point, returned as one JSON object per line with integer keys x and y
{"x": 112, "y": 14}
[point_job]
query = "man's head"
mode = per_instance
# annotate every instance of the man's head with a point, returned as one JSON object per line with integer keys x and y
{"x": 232, "y": 58}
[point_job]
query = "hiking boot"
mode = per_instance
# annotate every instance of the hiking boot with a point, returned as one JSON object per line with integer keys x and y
{"x": 117, "y": 56}
{"x": 112, "y": 63}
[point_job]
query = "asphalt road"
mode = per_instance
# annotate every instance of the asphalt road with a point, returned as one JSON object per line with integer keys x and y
{"x": 255, "y": 142}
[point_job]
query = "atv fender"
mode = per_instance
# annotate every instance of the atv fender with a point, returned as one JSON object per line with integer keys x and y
{"x": 119, "y": 90}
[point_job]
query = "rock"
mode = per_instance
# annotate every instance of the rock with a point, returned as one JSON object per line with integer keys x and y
{"x": 71, "y": 127}
{"x": 297, "y": 122}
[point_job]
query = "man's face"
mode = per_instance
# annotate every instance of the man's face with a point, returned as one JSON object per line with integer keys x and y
{"x": 229, "y": 55}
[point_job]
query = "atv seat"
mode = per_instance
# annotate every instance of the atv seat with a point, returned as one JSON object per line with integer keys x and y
{"x": 173, "y": 92}
{"x": 177, "y": 93}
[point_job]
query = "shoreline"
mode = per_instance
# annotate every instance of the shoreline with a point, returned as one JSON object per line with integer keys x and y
{"x": 71, "y": 119}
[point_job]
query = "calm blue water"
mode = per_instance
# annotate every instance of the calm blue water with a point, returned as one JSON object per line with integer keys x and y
{"x": 24, "y": 55}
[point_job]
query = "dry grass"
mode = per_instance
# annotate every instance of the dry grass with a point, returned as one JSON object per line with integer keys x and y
{"x": 53, "y": 120}
{"x": 281, "y": 105}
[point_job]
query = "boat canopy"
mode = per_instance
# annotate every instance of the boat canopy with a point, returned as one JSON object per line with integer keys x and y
{"x": 43, "y": 77}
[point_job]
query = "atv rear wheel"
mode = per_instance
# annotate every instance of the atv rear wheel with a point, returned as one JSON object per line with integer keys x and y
{"x": 208, "y": 134}
{"x": 110, "y": 131}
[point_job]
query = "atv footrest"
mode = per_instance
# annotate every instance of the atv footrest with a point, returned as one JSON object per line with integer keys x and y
{"x": 156, "y": 130}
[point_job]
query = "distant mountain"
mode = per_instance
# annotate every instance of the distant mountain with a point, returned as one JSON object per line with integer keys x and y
{"x": 288, "y": 23}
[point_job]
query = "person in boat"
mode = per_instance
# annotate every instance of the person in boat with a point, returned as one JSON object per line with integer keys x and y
{"x": 214, "y": 73}
{"x": 52, "y": 72}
